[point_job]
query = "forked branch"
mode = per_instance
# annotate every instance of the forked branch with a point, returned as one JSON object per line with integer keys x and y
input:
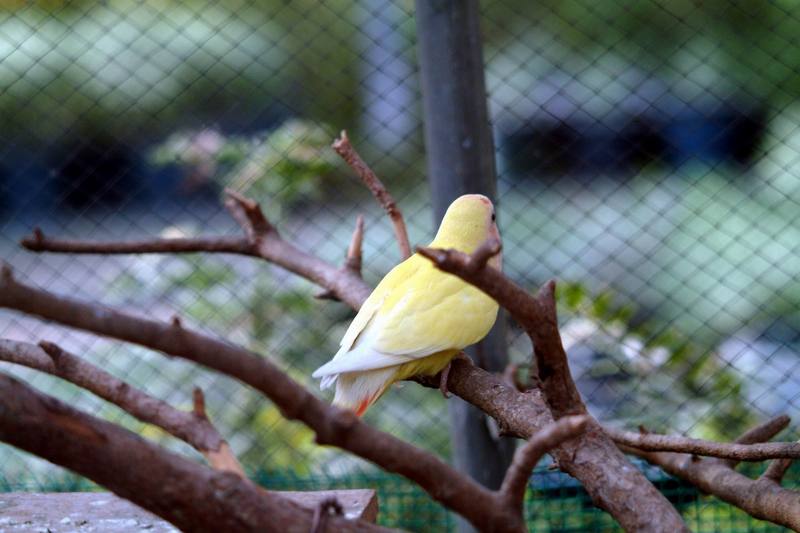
{"x": 724, "y": 450}
{"x": 194, "y": 428}
{"x": 189, "y": 495}
{"x": 762, "y": 498}
{"x": 331, "y": 425}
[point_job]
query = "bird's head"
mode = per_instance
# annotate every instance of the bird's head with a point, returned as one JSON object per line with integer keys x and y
{"x": 468, "y": 223}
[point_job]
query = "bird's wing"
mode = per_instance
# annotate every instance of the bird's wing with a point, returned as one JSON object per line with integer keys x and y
{"x": 417, "y": 311}
{"x": 365, "y": 320}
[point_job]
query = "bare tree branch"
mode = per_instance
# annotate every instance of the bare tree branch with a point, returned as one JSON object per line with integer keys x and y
{"x": 332, "y": 426}
{"x": 346, "y": 151}
{"x": 760, "y": 433}
{"x": 192, "y": 428}
{"x": 724, "y": 450}
{"x": 517, "y": 413}
{"x": 529, "y": 454}
{"x": 260, "y": 240}
{"x": 764, "y": 431}
{"x": 162, "y": 482}
{"x": 234, "y": 245}
{"x": 762, "y": 498}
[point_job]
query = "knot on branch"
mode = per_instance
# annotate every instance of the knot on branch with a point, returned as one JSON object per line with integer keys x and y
{"x": 249, "y": 215}
{"x": 546, "y": 300}
{"x": 6, "y": 273}
{"x": 35, "y": 242}
{"x": 353, "y": 258}
{"x": 199, "y": 403}
{"x": 53, "y": 350}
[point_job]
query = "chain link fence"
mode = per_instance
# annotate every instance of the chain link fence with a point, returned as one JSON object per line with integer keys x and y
{"x": 645, "y": 154}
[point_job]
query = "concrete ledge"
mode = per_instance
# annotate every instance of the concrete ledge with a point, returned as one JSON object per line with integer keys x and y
{"x": 103, "y": 512}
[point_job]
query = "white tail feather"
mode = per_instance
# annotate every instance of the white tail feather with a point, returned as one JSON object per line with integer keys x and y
{"x": 358, "y": 390}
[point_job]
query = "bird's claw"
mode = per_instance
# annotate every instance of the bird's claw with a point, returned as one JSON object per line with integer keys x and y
{"x": 443, "y": 381}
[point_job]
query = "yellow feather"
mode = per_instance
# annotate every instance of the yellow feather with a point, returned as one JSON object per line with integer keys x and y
{"x": 418, "y": 317}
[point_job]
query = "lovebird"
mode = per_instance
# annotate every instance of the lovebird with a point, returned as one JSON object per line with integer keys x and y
{"x": 418, "y": 318}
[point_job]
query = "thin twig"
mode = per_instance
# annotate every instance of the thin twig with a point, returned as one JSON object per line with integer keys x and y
{"x": 346, "y": 151}
{"x": 195, "y": 430}
{"x": 760, "y": 433}
{"x": 529, "y": 454}
{"x": 764, "y": 431}
{"x": 353, "y": 260}
{"x": 261, "y": 240}
{"x": 776, "y": 469}
{"x": 679, "y": 444}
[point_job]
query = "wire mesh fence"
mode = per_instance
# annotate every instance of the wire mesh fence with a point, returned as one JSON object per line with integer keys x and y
{"x": 645, "y": 155}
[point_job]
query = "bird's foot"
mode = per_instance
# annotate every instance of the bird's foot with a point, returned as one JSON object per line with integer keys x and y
{"x": 443, "y": 380}
{"x": 445, "y": 373}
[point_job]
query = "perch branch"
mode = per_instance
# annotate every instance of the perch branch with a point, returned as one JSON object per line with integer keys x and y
{"x": 192, "y": 428}
{"x": 592, "y": 456}
{"x": 346, "y": 151}
{"x": 529, "y": 454}
{"x": 724, "y": 450}
{"x": 331, "y": 425}
{"x": 160, "y": 481}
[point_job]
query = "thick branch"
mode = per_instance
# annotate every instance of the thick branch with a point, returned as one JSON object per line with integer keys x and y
{"x": 157, "y": 480}
{"x": 612, "y": 482}
{"x": 529, "y": 454}
{"x": 331, "y": 425}
{"x": 193, "y": 428}
{"x": 346, "y": 151}
{"x": 680, "y": 444}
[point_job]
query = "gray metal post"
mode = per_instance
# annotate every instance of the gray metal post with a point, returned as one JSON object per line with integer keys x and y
{"x": 460, "y": 159}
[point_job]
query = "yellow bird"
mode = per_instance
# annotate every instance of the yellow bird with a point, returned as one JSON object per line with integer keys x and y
{"x": 418, "y": 318}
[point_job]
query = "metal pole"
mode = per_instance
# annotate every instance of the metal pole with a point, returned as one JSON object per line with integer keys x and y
{"x": 460, "y": 160}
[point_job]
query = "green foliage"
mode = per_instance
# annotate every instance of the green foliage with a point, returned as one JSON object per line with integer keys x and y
{"x": 655, "y": 370}
{"x": 280, "y": 168}
{"x": 126, "y": 67}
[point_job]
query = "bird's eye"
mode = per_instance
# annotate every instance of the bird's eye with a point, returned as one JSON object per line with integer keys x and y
{"x": 493, "y": 217}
